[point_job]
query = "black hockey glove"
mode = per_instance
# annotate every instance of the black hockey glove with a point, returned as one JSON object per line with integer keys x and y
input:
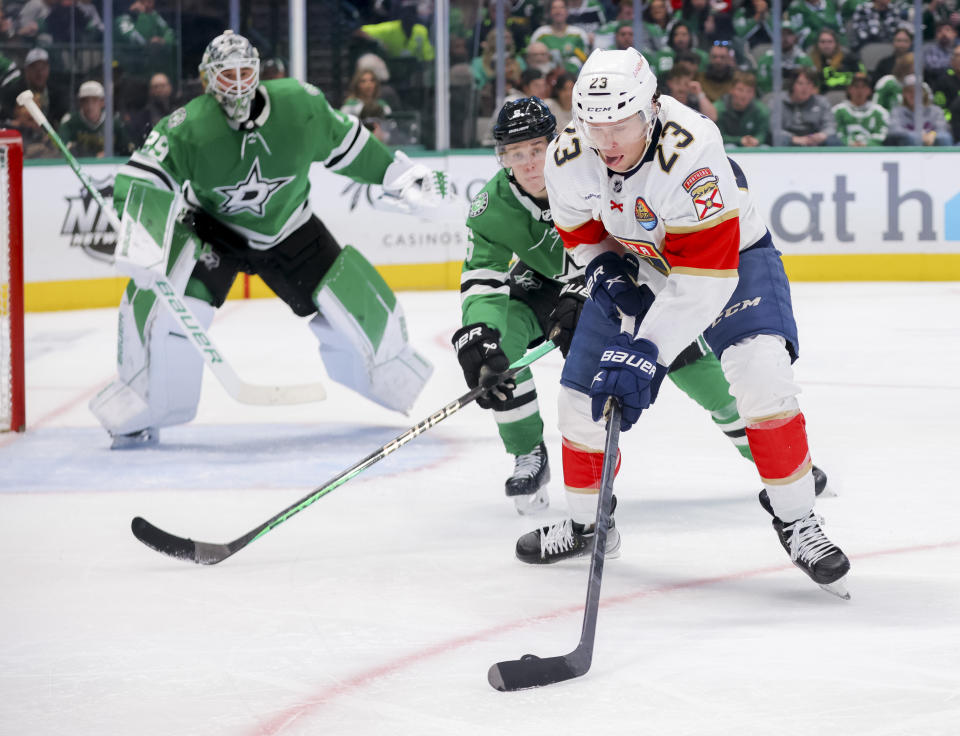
{"x": 214, "y": 233}
{"x": 483, "y": 362}
{"x": 563, "y": 319}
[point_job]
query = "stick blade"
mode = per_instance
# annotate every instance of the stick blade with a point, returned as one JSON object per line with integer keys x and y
{"x": 532, "y": 671}
{"x": 164, "y": 542}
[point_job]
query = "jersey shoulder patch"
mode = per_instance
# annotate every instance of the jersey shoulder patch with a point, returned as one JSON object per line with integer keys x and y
{"x": 479, "y": 204}
{"x": 176, "y": 118}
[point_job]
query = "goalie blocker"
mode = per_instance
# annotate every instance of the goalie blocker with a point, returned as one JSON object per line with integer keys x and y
{"x": 360, "y": 325}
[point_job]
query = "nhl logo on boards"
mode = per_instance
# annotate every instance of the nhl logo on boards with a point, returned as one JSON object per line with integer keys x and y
{"x": 702, "y": 187}
{"x": 644, "y": 215}
{"x": 479, "y": 204}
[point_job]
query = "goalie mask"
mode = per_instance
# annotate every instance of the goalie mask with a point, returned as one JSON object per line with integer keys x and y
{"x": 230, "y": 71}
{"x": 614, "y": 100}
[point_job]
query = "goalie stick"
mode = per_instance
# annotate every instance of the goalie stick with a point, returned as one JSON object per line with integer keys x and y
{"x": 532, "y": 671}
{"x": 204, "y": 553}
{"x": 240, "y": 390}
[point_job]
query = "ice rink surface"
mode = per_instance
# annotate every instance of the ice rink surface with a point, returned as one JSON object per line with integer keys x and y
{"x": 379, "y": 609}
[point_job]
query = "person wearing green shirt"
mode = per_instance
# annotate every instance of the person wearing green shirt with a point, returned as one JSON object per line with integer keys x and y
{"x": 238, "y": 157}
{"x": 567, "y": 44}
{"x": 83, "y": 131}
{"x": 518, "y": 286}
{"x": 860, "y": 121}
{"x": 810, "y": 16}
{"x": 145, "y": 42}
{"x": 792, "y": 57}
{"x": 743, "y": 120}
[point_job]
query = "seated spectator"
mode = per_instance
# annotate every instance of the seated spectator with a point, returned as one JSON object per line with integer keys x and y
{"x": 159, "y": 104}
{"x": 36, "y": 142}
{"x": 806, "y": 118}
{"x": 588, "y": 16}
{"x": 946, "y": 87}
{"x": 145, "y": 41}
{"x": 31, "y": 15}
{"x": 682, "y": 86}
{"x": 623, "y": 38}
{"x": 902, "y": 44}
{"x": 404, "y": 37}
{"x": 533, "y": 83}
{"x": 809, "y": 17}
{"x": 698, "y": 17}
{"x": 902, "y": 130}
{"x": 569, "y": 45}
{"x": 604, "y": 36}
{"x": 485, "y": 65}
{"x": 791, "y": 55}
{"x": 717, "y": 78}
{"x": 743, "y": 120}
{"x": 935, "y": 11}
{"x": 35, "y": 77}
{"x": 83, "y": 133}
{"x": 679, "y": 41}
{"x": 936, "y": 53}
{"x": 537, "y": 56}
{"x": 372, "y": 116}
{"x": 656, "y": 25}
{"x": 561, "y": 101}
{"x": 877, "y": 21}
{"x": 272, "y": 69}
{"x": 752, "y": 22}
{"x": 836, "y": 65}
{"x": 364, "y": 89}
{"x": 379, "y": 67}
{"x": 886, "y": 91}
{"x": 70, "y": 22}
{"x": 860, "y": 121}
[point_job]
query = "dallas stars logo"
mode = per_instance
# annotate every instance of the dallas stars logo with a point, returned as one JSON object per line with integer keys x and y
{"x": 251, "y": 194}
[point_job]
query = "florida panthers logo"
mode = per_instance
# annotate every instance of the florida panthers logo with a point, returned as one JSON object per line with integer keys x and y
{"x": 252, "y": 193}
{"x": 703, "y": 190}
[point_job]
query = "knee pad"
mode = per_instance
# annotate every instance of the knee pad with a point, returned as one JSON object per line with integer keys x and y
{"x": 761, "y": 377}
{"x": 363, "y": 334}
{"x": 159, "y": 370}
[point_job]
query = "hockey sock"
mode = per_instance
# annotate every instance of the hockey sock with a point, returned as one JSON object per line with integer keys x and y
{"x": 582, "y": 469}
{"x": 782, "y": 456}
{"x": 704, "y": 382}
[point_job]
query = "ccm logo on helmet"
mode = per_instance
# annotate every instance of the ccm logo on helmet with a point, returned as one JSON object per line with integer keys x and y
{"x": 620, "y": 356}
{"x": 599, "y": 109}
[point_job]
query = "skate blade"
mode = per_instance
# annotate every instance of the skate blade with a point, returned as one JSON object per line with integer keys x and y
{"x": 531, "y": 505}
{"x": 837, "y": 588}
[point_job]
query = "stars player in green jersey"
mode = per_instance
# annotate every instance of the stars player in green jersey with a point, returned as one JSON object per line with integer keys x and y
{"x": 518, "y": 286}
{"x": 240, "y": 156}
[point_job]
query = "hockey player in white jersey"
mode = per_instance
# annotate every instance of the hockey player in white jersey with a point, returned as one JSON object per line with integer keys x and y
{"x": 641, "y": 190}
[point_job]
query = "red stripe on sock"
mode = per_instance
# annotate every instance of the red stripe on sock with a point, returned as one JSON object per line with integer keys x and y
{"x": 582, "y": 469}
{"x": 779, "y": 446}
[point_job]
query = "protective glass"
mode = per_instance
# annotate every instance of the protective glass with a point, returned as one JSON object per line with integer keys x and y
{"x": 516, "y": 155}
{"x": 624, "y": 133}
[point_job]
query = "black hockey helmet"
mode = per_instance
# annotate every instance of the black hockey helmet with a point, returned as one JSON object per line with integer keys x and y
{"x": 522, "y": 120}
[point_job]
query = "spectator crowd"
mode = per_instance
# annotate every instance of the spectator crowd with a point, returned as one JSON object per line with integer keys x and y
{"x": 848, "y": 67}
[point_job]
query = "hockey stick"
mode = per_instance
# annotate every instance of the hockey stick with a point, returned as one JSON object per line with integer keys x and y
{"x": 532, "y": 671}
{"x": 204, "y": 553}
{"x": 246, "y": 393}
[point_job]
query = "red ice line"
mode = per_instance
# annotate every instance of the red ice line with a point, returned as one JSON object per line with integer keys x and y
{"x": 279, "y": 723}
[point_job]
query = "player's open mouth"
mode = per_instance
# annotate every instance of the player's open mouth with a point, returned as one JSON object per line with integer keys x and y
{"x": 613, "y": 160}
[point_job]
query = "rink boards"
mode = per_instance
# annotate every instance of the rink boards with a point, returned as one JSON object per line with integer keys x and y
{"x": 836, "y": 216}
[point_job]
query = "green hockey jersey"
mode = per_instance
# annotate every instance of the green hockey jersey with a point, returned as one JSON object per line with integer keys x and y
{"x": 863, "y": 125}
{"x": 504, "y": 222}
{"x": 255, "y": 180}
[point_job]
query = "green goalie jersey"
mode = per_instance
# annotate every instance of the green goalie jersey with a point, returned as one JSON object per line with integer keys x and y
{"x": 255, "y": 180}
{"x": 504, "y": 222}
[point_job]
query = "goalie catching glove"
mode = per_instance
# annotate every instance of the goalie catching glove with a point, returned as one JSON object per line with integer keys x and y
{"x": 562, "y": 321}
{"x": 412, "y": 188}
{"x": 483, "y": 362}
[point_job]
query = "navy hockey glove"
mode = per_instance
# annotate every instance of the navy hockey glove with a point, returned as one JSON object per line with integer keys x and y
{"x": 563, "y": 319}
{"x": 483, "y": 361}
{"x": 612, "y": 286}
{"x": 629, "y": 371}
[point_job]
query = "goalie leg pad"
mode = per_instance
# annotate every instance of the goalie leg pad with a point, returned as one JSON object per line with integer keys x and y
{"x": 159, "y": 370}
{"x": 363, "y": 335}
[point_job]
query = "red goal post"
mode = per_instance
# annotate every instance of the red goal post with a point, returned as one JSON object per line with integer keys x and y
{"x": 12, "y": 399}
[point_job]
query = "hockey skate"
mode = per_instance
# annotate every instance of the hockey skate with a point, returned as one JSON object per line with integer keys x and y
{"x": 528, "y": 484}
{"x": 564, "y": 540}
{"x": 149, "y": 437}
{"x": 812, "y": 552}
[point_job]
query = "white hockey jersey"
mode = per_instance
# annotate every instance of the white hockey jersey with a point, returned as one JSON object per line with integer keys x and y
{"x": 682, "y": 209}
